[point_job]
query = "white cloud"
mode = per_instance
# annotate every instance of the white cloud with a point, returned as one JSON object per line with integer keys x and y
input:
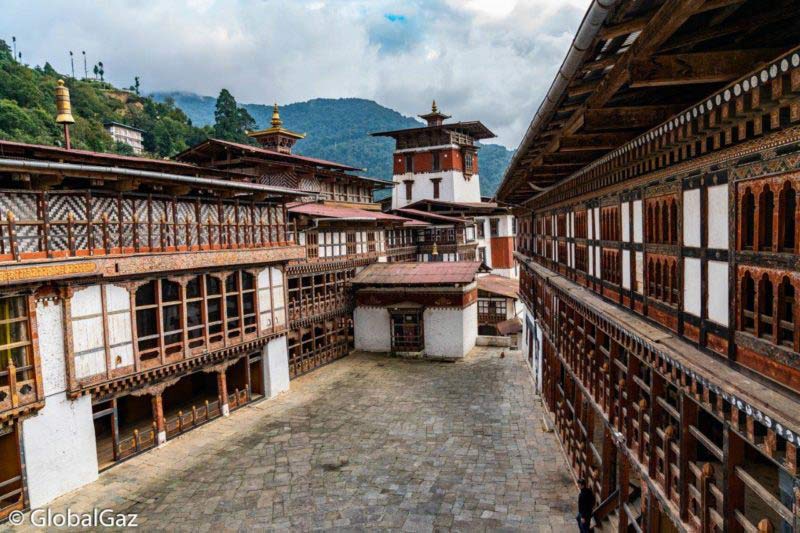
{"x": 488, "y": 60}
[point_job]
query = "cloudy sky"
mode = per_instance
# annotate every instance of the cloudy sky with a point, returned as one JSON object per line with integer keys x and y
{"x": 490, "y": 60}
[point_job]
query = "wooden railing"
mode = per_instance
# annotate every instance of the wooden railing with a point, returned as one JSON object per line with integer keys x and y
{"x": 139, "y": 441}
{"x": 43, "y": 224}
{"x": 17, "y": 387}
{"x": 238, "y": 398}
{"x": 304, "y": 307}
{"x": 490, "y": 318}
{"x": 184, "y": 421}
{"x": 10, "y": 497}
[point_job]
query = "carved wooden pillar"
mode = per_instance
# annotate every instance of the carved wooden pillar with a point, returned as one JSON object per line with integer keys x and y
{"x": 158, "y": 418}
{"x": 222, "y": 388}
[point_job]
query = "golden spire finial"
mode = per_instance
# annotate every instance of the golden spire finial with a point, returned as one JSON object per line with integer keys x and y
{"x": 276, "y": 117}
{"x": 63, "y": 105}
{"x": 433, "y": 107}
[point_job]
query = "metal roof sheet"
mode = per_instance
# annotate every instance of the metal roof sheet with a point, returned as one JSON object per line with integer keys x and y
{"x": 435, "y": 273}
{"x": 499, "y": 285}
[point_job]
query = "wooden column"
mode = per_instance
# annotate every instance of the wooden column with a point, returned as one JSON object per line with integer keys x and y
{"x": 158, "y": 418}
{"x": 222, "y": 389}
{"x": 733, "y": 453}
{"x": 688, "y": 451}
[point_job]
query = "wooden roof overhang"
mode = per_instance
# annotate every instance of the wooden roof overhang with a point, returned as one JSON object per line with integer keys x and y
{"x": 637, "y": 64}
{"x": 217, "y": 152}
{"x": 469, "y": 209}
{"x": 47, "y": 167}
{"x": 254, "y": 160}
{"x": 474, "y": 128}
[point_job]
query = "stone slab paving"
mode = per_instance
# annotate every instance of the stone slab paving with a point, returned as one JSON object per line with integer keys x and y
{"x": 369, "y": 442}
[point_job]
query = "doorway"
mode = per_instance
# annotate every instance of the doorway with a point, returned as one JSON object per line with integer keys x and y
{"x": 407, "y": 330}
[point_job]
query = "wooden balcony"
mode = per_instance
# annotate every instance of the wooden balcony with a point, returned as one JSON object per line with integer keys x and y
{"x": 88, "y": 232}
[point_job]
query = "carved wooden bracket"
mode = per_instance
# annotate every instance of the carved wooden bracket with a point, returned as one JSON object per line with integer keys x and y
{"x": 155, "y": 389}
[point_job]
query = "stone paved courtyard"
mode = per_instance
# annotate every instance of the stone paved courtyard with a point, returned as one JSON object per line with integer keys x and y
{"x": 368, "y": 442}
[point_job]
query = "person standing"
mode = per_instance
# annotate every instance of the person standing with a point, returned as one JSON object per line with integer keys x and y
{"x": 586, "y": 503}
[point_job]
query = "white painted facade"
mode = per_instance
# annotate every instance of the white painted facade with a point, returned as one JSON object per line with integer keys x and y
{"x": 276, "y": 366}
{"x": 450, "y": 332}
{"x": 372, "y": 329}
{"x": 59, "y": 441}
{"x": 718, "y": 217}
{"x": 453, "y": 187}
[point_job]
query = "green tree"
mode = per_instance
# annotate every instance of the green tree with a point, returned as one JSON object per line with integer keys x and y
{"x": 231, "y": 121}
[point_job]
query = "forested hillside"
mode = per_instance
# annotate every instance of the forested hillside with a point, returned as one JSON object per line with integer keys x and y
{"x": 28, "y": 110}
{"x": 338, "y": 129}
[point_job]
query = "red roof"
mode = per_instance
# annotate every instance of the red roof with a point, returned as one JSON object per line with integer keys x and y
{"x": 435, "y": 273}
{"x": 499, "y": 285}
{"x": 343, "y": 213}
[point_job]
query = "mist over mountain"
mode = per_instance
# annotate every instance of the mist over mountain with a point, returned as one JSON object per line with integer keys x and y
{"x": 338, "y": 130}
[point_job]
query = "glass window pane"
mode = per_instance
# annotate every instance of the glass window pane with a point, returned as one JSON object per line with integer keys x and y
{"x": 170, "y": 291}
{"x": 193, "y": 288}
{"x": 146, "y": 323}
{"x": 194, "y": 314}
{"x": 232, "y": 282}
{"x": 12, "y": 308}
{"x": 171, "y": 317}
{"x": 214, "y": 310}
{"x": 146, "y": 294}
{"x": 212, "y": 285}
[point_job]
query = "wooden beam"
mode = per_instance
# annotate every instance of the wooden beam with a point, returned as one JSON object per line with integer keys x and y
{"x": 669, "y": 18}
{"x": 594, "y": 141}
{"x": 558, "y": 158}
{"x": 581, "y": 88}
{"x": 706, "y": 67}
{"x": 626, "y": 118}
{"x": 568, "y": 168}
{"x": 624, "y": 28}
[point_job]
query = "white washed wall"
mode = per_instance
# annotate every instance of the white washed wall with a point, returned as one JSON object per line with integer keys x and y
{"x": 372, "y": 329}
{"x": 718, "y": 217}
{"x": 59, "y": 441}
{"x": 691, "y": 285}
{"x": 691, "y": 218}
{"x": 718, "y": 292}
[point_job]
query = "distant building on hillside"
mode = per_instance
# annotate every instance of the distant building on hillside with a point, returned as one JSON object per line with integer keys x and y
{"x": 126, "y": 134}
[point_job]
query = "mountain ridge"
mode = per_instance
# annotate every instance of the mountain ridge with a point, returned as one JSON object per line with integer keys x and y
{"x": 338, "y": 129}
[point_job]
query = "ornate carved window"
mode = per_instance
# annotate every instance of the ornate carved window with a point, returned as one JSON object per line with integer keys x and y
{"x": 661, "y": 221}
{"x": 766, "y": 208}
{"x": 662, "y": 279}
{"x": 748, "y": 299}
{"x": 159, "y": 322}
{"x": 787, "y": 218}
{"x": 786, "y": 307}
{"x": 748, "y": 218}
